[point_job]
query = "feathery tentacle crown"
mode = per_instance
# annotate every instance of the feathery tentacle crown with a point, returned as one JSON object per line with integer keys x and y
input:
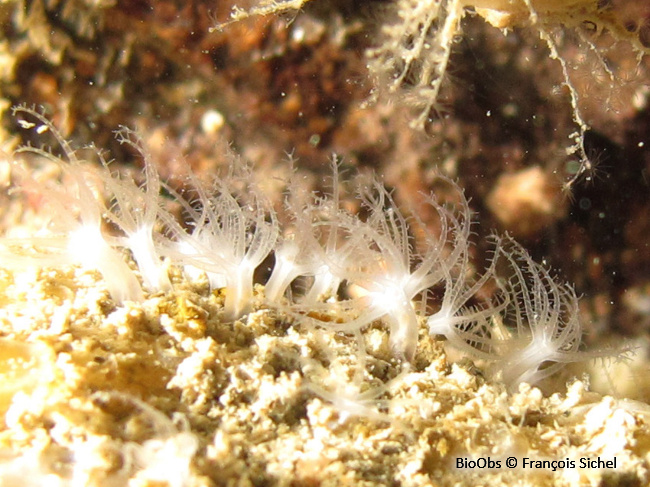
{"x": 528, "y": 329}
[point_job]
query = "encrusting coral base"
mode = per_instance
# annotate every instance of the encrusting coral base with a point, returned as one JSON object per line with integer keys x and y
{"x": 165, "y": 393}
{"x": 131, "y": 358}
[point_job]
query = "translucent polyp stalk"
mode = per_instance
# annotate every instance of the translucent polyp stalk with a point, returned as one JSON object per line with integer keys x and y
{"x": 145, "y": 254}
{"x": 88, "y": 247}
{"x": 239, "y": 292}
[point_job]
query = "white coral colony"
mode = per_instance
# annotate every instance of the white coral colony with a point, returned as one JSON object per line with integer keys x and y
{"x": 528, "y": 329}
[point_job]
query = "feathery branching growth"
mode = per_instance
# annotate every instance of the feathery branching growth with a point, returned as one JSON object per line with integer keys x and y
{"x": 414, "y": 43}
{"x": 388, "y": 263}
{"x": 76, "y": 210}
{"x": 232, "y": 233}
{"x": 468, "y": 327}
{"x": 388, "y": 269}
{"x": 134, "y": 210}
{"x": 542, "y": 325}
{"x": 314, "y": 245}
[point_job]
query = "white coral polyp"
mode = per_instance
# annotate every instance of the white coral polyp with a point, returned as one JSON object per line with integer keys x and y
{"x": 528, "y": 330}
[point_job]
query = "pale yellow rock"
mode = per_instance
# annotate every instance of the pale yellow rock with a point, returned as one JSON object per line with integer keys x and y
{"x": 163, "y": 393}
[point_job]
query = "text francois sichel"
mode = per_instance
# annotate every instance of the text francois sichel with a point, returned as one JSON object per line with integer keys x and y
{"x": 529, "y": 463}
